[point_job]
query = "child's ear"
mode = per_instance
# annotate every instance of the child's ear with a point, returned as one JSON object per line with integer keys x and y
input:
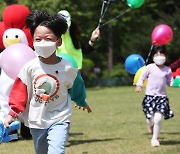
{"x": 59, "y": 42}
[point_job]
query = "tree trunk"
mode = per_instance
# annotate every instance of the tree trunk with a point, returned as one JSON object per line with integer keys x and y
{"x": 110, "y": 48}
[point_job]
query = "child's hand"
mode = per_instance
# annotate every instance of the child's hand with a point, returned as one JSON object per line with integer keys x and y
{"x": 8, "y": 120}
{"x": 95, "y": 35}
{"x": 84, "y": 108}
{"x": 138, "y": 89}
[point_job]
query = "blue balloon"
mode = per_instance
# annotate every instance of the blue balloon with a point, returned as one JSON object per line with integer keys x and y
{"x": 133, "y": 63}
{"x": 68, "y": 58}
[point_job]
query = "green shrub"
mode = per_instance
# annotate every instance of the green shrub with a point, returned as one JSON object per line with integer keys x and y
{"x": 117, "y": 71}
{"x": 118, "y": 76}
{"x": 87, "y": 64}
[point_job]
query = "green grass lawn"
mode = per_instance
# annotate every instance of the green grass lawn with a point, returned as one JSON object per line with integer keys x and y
{"x": 116, "y": 126}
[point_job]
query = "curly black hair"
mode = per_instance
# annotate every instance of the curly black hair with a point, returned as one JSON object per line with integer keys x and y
{"x": 54, "y": 22}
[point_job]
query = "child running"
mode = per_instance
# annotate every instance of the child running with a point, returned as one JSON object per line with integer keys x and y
{"x": 45, "y": 87}
{"x": 156, "y": 104}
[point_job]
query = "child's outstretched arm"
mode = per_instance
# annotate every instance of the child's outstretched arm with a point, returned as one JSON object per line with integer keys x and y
{"x": 141, "y": 80}
{"x": 78, "y": 93}
{"x": 170, "y": 79}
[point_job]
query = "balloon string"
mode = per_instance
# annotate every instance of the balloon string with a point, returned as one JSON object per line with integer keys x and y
{"x": 147, "y": 59}
{"x": 103, "y": 11}
{"x": 115, "y": 18}
{"x": 108, "y": 3}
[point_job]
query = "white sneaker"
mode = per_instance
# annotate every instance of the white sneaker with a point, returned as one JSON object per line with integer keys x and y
{"x": 155, "y": 143}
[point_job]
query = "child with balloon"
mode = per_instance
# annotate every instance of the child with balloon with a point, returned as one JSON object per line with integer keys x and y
{"x": 156, "y": 103}
{"x": 43, "y": 90}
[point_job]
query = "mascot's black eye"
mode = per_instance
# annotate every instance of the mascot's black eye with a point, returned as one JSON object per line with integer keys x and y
{"x": 16, "y": 36}
{"x": 6, "y": 36}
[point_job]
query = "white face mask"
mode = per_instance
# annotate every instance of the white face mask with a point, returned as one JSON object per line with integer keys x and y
{"x": 45, "y": 48}
{"x": 159, "y": 60}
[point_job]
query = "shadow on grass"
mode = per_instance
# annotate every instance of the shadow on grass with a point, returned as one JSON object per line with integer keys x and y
{"x": 75, "y": 134}
{"x": 170, "y": 142}
{"x": 77, "y": 142}
{"x": 169, "y": 133}
{"x": 167, "y": 142}
{"x": 25, "y": 139}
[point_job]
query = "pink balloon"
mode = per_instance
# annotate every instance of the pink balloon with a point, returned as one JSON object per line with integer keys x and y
{"x": 14, "y": 57}
{"x": 162, "y": 34}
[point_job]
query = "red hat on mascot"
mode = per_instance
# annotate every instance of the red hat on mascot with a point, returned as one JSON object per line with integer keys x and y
{"x": 14, "y": 16}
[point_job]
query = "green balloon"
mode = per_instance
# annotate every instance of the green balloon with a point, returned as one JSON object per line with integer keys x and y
{"x": 176, "y": 82}
{"x": 135, "y": 3}
{"x": 68, "y": 58}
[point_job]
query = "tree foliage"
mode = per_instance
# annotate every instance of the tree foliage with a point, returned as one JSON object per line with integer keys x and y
{"x": 131, "y": 32}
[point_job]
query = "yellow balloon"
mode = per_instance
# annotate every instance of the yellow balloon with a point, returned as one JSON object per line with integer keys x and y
{"x": 138, "y": 74}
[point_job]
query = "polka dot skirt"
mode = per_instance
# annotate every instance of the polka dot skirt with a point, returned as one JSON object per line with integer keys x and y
{"x": 151, "y": 104}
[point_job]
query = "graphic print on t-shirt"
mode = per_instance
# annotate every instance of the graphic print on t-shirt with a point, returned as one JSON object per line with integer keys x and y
{"x": 46, "y": 87}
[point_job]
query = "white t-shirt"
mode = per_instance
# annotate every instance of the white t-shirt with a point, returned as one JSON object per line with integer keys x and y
{"x": 41, "y": 92}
